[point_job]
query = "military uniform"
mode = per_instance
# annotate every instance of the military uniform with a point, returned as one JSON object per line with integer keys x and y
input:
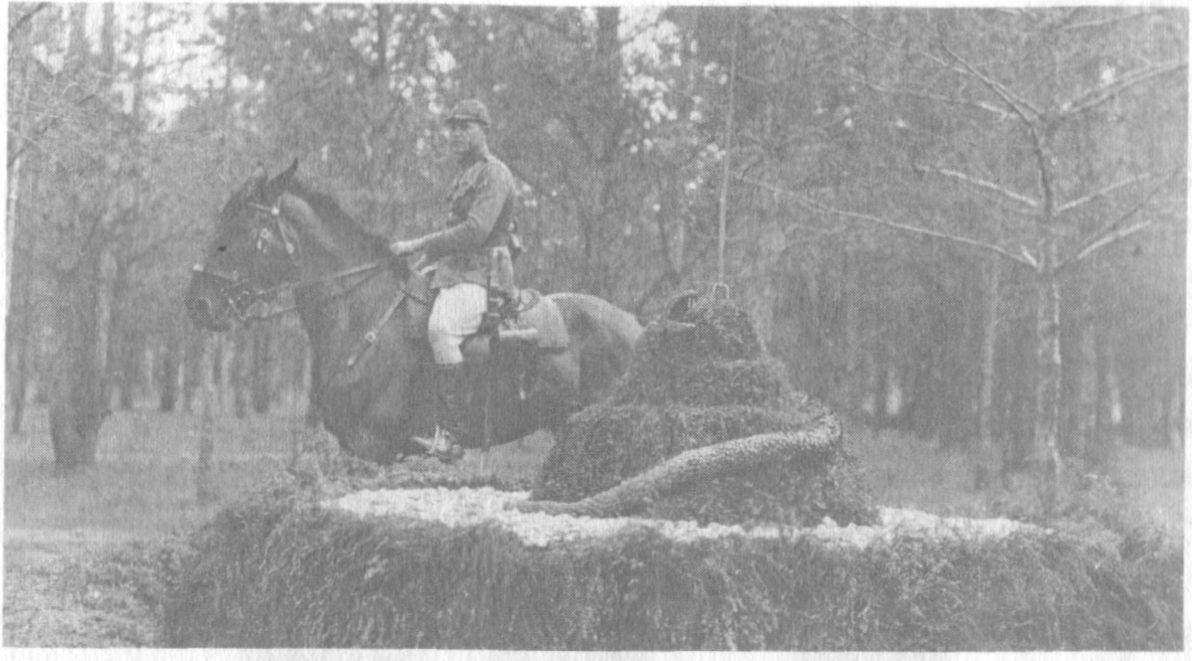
{"x": 479, "y": 227}
{"x": 481, "y": 203}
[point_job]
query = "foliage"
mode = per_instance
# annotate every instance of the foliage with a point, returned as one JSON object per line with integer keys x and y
{"x": 700, "y": 385}
{"x": 615, "y": 121}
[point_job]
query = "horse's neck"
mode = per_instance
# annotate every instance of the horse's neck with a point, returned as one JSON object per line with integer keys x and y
{"x": 338, "y": 316}
{"x": 337, "y": 305}
{"x": 322, "y": 255}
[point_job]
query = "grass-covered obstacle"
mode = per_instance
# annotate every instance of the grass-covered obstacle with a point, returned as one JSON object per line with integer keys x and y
{"x": 704, "y": 427}
{"x": 454, "y": 567}
{"x": 721, "y": 512}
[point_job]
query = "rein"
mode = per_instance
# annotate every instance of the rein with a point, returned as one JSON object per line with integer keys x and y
{"x": 242, "y": 296}
{"x": 239, "y": 304}
{"x": 294, "y": 286}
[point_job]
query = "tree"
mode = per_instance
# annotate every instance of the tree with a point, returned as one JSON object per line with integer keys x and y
{"x": 1037, "y": 113}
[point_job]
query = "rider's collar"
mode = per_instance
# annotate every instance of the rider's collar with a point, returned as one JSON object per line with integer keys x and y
{"x": 472, "y": 157}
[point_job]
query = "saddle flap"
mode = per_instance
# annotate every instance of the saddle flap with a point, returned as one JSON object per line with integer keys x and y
{"x": 417, "y": 287}
{"x": 543, "y": 315}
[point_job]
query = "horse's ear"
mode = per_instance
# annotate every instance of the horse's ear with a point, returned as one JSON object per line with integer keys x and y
{"x": 282, "y": 181}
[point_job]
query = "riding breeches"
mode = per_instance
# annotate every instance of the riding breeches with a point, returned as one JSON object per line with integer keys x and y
{"x": 457, "y": 313}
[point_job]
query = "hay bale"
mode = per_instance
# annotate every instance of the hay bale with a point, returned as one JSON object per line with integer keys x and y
{"x": 700, "y": 384}
{"x": 458, "y": 568}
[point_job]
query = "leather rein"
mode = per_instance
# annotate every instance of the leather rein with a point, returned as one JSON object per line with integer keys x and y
{"x": 241, "y": 295}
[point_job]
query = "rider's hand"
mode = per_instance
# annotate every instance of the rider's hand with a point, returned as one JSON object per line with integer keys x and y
{"x": 404, "y": 247}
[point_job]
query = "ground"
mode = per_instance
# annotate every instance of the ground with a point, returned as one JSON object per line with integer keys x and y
{"x": 80, "y": 550}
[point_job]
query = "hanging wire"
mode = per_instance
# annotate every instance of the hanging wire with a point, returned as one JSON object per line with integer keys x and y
{"x": 720, "y": 285}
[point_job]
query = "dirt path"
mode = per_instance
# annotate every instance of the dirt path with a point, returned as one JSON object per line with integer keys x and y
{"x": 71, "y": 589}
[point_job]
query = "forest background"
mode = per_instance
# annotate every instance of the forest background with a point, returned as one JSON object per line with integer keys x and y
{"x": 967, "y": 225}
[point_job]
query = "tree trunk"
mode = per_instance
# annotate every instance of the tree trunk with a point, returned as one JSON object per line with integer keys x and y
{"x": 192, "y": 370}
{"x": 208, "y": 359}
{"x": 116, "y": 339}
{"x": 132, "y": 368}
{"x": 1174, "y": 411}
{"x": 18, "y": 318}
{"x": 238, "y": 371}
{"x": 1048, "y": 360}
{"x": 18, "y": 326}
{"x": 314, "y": 411}
{"x": 1048, "y": 371}
{"x": 77, "y": 408}
{"x": 989, "y": 459}
{"x": 1083, "y": 404}
{"x": 262, "y": 370}
{"x": 1104, "y": 435}
{"x": 169, "y": 363}
{"x": 883, "y": 392}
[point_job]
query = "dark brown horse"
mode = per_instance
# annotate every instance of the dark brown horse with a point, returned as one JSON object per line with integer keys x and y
{"x": 364, "y": 311}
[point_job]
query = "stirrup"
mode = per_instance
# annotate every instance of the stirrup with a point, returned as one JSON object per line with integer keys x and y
{"x": 441, "y": 446}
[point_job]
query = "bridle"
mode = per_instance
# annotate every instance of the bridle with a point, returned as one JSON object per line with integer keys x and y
{"x": 240, "y": 293}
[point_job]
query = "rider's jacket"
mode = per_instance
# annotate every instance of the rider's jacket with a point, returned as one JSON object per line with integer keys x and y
{"x": 481, "y": 204}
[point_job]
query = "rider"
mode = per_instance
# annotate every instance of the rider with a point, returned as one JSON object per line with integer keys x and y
{"x": 481, "y": 207}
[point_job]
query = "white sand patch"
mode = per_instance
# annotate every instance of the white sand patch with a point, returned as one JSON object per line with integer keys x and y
{"x": 468, "y": 507}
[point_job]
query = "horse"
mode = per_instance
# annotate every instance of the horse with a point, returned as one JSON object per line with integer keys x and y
{"x": 364, "y": 311}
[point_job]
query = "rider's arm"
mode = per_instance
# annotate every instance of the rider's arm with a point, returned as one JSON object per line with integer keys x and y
{"x": 492, "y": 189}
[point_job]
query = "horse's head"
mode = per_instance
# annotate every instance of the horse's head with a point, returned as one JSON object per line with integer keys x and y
{"x": 251, "y": 253}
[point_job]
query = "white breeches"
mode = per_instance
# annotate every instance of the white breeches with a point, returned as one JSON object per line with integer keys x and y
{"x": 457, "y": 314}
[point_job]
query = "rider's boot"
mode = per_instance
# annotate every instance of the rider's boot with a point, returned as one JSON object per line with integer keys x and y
{"x": 451, "y": 413}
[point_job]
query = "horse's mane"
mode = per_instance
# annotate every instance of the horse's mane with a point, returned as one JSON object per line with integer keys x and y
{"x": 328, "y": 208}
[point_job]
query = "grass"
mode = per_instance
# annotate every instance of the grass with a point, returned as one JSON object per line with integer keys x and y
{"x": 144, "y": 482}
{"x": 904, "y": 471}
{"x": 141, "y": 494}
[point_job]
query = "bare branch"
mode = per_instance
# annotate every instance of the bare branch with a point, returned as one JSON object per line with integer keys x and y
{"x": 39, "y": 131}
{"x": 25, "y": 18}
{"x": 890, "y": 44}
{"x": 1113, "y": 231}
{"x": 931, "y": 96}
{"x": 872, "y": 37}
{"x": 988, "y": 186}
{"x": 762, "y": 81}
{"x": 812, "y": 205}
{"x": 1030, "y": 259}
{"x": 1096, "y": 97}
{"x": 1111, "y": 238}
{"x": 1103, "y": 192}
{"x": 1020, "y": 106}
{"x": 1107, "y": 21}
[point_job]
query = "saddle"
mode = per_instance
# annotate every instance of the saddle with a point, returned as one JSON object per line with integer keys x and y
{"x": 529, "y": 317}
